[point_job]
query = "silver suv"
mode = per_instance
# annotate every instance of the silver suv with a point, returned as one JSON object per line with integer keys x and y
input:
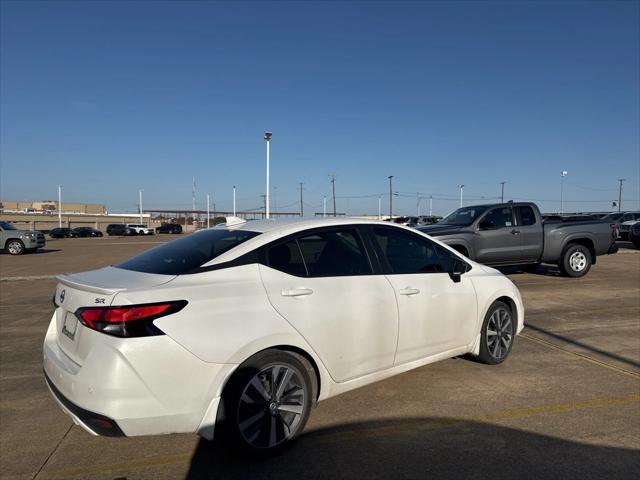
{"x": 17, "y": 242}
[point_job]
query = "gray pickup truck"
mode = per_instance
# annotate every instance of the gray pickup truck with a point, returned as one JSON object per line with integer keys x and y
{"x": 515, "y": 234}
{"x": 17, "y": 242}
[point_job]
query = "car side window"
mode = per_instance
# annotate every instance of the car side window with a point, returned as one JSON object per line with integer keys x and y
{"x": 497, "y": 218}
{"x": 334, "y": 253}
{"x": 408, "y": 253}
{"x": 286, "y": 258}
{"x": 527, "y": 216}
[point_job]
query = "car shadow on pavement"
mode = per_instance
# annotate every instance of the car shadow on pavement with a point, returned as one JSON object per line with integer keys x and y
{"x": 437, "y": 448}
{"x": 546, "y": 270}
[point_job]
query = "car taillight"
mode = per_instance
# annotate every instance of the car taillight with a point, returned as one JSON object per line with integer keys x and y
{"x": 128, "y": 320}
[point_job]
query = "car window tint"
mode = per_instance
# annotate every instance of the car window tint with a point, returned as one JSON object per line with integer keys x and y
{"x": 408, "y": 253}
{"x": 334, "y": 253}
{"x": 527, "y": 216}
{"x": 188, "y": 253}
{"x": 286, "y": 258}
{"x": 498, "y": 218}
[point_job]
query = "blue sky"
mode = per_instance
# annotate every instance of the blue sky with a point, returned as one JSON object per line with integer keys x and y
{"x": 110, "y": 97}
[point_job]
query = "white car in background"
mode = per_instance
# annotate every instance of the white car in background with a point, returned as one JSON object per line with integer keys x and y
{"x": 140, "y": 229}
{"x": 253, "y": 323}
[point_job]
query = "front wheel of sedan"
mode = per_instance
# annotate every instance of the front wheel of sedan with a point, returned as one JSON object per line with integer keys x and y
{"x": 498, "y": 332}
{"x": 268, "y": 400}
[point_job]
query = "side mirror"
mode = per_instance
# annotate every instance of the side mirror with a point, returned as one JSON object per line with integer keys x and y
{"x": 458, "y": 269}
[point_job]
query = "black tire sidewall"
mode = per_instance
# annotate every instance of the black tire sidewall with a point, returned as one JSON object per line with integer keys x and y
{"x": 566, "y": 267}
{"x": 485, "y": 356}
{"x": 235, "y": 387}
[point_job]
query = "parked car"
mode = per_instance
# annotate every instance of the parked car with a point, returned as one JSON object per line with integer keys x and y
{"x": 140, "y": 229}
{"x": 119, "y": 229}
{"x": 87, "y": 232}
{"x": 634, "y": 234}
{"x": 262, "y": 319}
{"x": 169, "y": 228}
{"x": 623, "y": 221}
{"x": 17, "y": 242}
{"x": 63, "y": 233}
{"x": 515, "y": 234}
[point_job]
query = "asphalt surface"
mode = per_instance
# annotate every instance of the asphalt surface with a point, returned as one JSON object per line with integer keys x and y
{"x": 566, "y": 404}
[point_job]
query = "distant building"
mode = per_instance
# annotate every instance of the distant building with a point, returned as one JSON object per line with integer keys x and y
{"x": 50, "y": 206}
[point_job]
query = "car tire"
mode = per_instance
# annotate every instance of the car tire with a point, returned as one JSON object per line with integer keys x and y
{"x": 15, "y": 247}
{"x": 575, "y": 260}
{"x": 497, "y": 335}
{"x": 256, "y": 417}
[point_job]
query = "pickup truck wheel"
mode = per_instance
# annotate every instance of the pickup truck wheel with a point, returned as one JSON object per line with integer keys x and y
{"x": 575, "y": 261}
{"x": 496, "y": 337}
{"x": 15, "y": 247}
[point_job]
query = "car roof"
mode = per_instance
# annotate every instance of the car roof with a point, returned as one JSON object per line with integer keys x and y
{"x": 274, "y": 229}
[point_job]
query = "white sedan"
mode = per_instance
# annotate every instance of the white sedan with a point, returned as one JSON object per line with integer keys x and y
{"x": 252, "y": 323}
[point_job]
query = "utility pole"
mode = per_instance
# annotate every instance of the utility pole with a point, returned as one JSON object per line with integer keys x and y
{"x": 193, "y": 195}
{"x": 379, "y": 208}
{"x": 234, "y": 201}
{"x": 333, "y": 186}
{"x": 502, "y": 194}
{"x": 621, "y": 180}
{"x": 60, "y": 206}
{"x": 140, "y": 205}
{"x": 461, "y": 186}
{"x": 208, "y": 211}
{"x": 563, "y": 174}
{"x": 417, "y": 204}
{"x": 390, "y": 197}
{"x": 301, "y": 205}
{"x": 267, "y": 137}
{"x": 324, "y": 206}
{"x": 430, "y": 205}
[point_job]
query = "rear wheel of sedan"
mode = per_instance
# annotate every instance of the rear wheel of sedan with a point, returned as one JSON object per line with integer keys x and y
{"x": 15, "y": 247}
{"x": 575, "y": 261}
{"x": 268, "y": 400}
{"x": 498, "y": 332}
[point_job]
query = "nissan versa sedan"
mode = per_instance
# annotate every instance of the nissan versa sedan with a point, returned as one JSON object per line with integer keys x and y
{"x": 250, "y": 324}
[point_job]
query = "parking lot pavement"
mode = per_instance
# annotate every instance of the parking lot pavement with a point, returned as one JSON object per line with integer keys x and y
{"x": 565, "y": 404}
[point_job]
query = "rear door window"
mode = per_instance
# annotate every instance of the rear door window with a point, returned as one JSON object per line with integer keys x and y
{"x": 527, "y": 216}
{"x": 187, "y": 254}
{"x": 334, "y": 253}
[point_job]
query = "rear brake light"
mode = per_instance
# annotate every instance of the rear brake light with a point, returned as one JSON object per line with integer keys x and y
{"x": 129, "y": 320}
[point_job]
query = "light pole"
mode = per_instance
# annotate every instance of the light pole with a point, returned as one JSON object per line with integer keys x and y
{"x": 390, "y": 197}
{"x": 301, "y": 204}
{"x": 208, "y": 210}
{"x": 621, "y": 180}
{"x": 563, "y": 174}
{"x": 461, "y": 187}
{"x": 333, "y": 189}
{"x": 430, "y": 205}
{"x": 140, "y": 204}
{"x": 234, "y": 201}
{"x": 60, "y": 206}
{"x": 379, "y": 208}
{"x": 267, "y": 137}
{"x": 502, "y": 194}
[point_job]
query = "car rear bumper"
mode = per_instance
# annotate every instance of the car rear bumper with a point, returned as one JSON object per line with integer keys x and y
{"x": 133, "y": 386}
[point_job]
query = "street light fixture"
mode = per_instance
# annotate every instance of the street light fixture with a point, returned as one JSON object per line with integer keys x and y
{"x": 563, "y": 174}
{"x": 267, "y": 137}
{"x": 461, "y": 187}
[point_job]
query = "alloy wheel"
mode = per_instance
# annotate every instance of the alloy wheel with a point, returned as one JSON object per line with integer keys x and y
{"x": 499, "y": 333}
{"x": 271, "y": 406}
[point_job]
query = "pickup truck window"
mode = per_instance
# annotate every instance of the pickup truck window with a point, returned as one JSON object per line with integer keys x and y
{"x": 463, "y": 217}
{"x": 497, "y": 218}
{"x": 408, "y": 253}
{"x": 527, "y": 217}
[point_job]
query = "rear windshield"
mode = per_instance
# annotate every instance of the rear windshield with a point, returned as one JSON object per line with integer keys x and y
{"x": 188, "y": 253}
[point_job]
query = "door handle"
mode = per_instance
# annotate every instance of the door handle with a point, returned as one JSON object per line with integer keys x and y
{"x": 515, "y": 232}
{"x": 409, "y": 291}
{"x": 296, "y": 292}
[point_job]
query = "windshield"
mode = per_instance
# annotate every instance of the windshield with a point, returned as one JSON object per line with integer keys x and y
{"x": 188, "y": 253}
{"x": 613, "y": 216}
{"x": 7, "y": 226}
{"x": 463, "y": 216}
